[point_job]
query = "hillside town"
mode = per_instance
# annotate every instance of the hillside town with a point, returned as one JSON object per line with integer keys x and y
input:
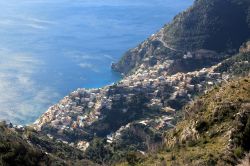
{"x": 158, "y": 94}
{"x": 84, "y": 108}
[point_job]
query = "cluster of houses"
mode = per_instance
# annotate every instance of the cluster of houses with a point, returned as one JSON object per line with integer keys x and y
{"x": 78, "y": 109}
{"x": 83, "y": 107}
{"x": 158, "y": 123}
{"x": 154, "y": 78}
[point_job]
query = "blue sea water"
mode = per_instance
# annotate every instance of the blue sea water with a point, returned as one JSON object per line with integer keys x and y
{"x": 49, "y": 48}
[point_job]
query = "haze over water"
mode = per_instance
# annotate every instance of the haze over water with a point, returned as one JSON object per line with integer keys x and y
{"x": 49, "y": 48}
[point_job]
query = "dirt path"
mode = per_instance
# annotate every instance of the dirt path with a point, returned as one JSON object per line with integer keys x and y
{"x": 160, "y": 38}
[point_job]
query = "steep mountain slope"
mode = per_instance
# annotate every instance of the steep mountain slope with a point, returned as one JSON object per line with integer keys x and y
{"x": 125, "y": 121}
{"x": 216, "y": 129}
{"x": 132, "y": 114}
{"x": 108, "y": 123}
{"x": 129, "y": 143}
{"x": 15, "y": 151}
{"x": 24, "y": 147}
{"x": 215, "y": 25}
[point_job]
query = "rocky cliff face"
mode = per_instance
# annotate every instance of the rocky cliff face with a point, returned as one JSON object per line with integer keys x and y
{"x": 220, "y": 26}
{"x": 166, "y": 73}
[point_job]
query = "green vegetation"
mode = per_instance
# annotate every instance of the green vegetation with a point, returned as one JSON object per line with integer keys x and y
{"x": 26, "y": 147}
{"x": 98, "y": 152}
{"x": 116, "y": 117}
{"x": 205, "y": 25}
{"x": 215, "y": 133}
{"x": 14, "y": 150}
{"x": 216, "y": 127}
{"x": 132, "y": 140}
{"x": 237, "y": 65}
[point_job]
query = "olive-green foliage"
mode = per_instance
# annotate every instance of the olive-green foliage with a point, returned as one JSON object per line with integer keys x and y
{"x": 236, "y": 65}
{"x": 221, "y": 111}
{"x": 98, "y": 151}
{"x": 116, "y": 116}
{"x": 26, "y": 147}
{"x": 201, "y": 126}
{"x": 16, "y": 151}
{"x": 58, "y": 149}
{"x": 136, "y": 137}
{"x": 246, "y": 135}
{"x": 205, "y": 25}
{"x": 133, "y": 158}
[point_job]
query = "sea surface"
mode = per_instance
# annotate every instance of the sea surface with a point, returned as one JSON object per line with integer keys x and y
{"x": 49, "y": 48}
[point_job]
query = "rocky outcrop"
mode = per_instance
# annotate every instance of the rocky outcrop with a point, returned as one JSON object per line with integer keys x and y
{"x": 203, "y": 26}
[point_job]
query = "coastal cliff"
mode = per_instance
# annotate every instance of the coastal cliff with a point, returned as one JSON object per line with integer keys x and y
{"x": 201, "y": 48}
{"x": 204, "y": 26}
{"x": 163, "y": 107}
{"x": 149, "y": 100}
